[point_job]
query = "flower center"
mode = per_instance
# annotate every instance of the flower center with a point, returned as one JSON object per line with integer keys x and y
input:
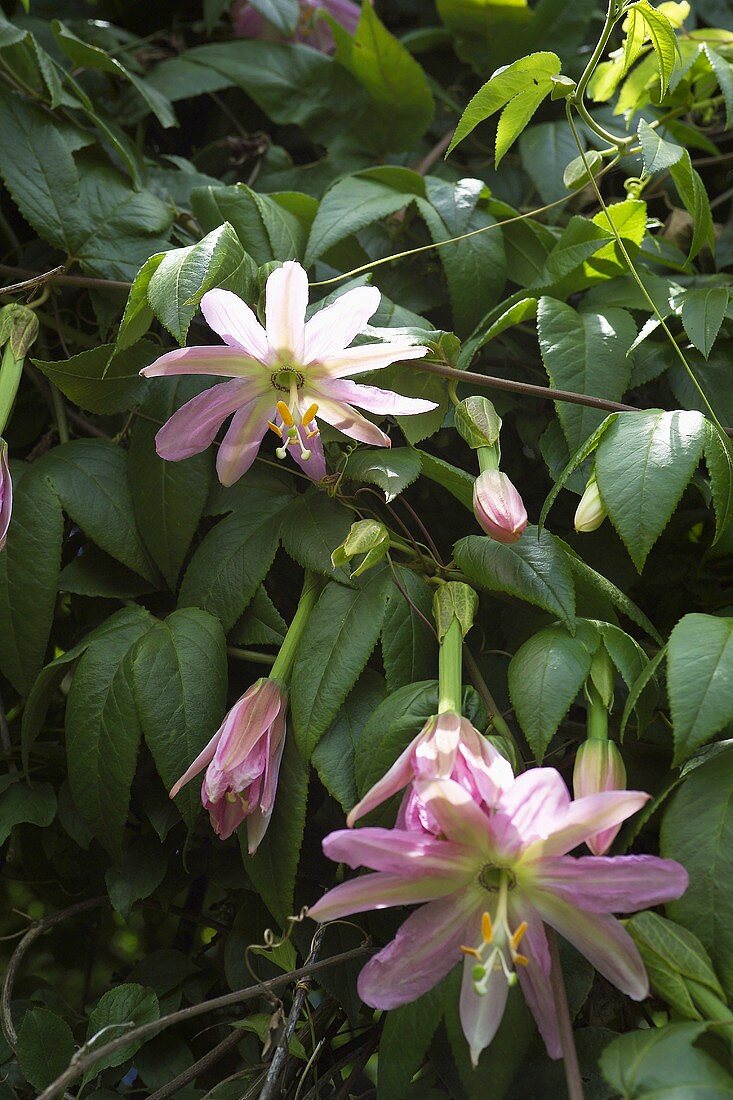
{"x": 293, "y": 428}
{"x": 492, "y": 878}
{"x": 497, "y": 948}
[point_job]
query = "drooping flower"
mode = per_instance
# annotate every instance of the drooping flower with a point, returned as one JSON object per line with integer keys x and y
{"x": 242, "y": 763}
{"x": 6, "y": 493}
{"x": 498, "y": 507}
{"x": 598, "y": 767}
{"x": 490, "y": 881}
{"x": 312, "y": 28}
{"x": 447, "y": 747}
{"x": 590, "y": 513}
{"x": 283, "y": 378}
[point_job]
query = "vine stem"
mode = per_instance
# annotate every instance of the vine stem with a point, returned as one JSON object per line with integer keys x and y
{"x": 612, "y": 16}
{"x": 565, "y": 1024}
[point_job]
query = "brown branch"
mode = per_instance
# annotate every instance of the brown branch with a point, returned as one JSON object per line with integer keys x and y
{"x": 56, "y": 275}
{"x": 84, "y": 1059}
{"x": 271, "y": 1087}
{"x": 206, "y": 1062}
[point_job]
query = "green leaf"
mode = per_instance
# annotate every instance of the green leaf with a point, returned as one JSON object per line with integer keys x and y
{"x": 579, "y": 240}
{"x": 183, "y": 276}
{"x": 458, "y": 483}
{"x": 697, "y": 830}
{"x": 269, "y": 227}
{"x": 724, "y": 73}
{"x": 334, "y": 755}
{"x": 522, "y": 310}
{"x": 475, "y": 268}
{"x": 702, "y": 315}
{"x": 405, "y": 1040}
{"x": 636, "y": 690}
{"x": 664, "y": 43}
{"x": 517, "y": 113}
{"x": 140, "y": 871}
{"x": 29, "y": 571}
{"x": 179, "y": 672}
{"x": 663, "y": 1064}
{"x": 357, "y": 201}
{"x": 401, "y": 100}
{"x": 19, "y": 803}
{"x": 700, "y": 680}
{"x": 273, "y": 868}
{"x": 609, "y": 591}
{"x": 673, "y": 956}
{"x": 45, "y": 1047}
{"x": 537, "y": 68}
{"x": 719, "y": 461}
{"x": 643, "y": 464}
{"x": 283, "y": 14}
{"x": 691, "y": 191}
{"x": 94, "y": 573}
{"x": 313, "y": 525}
{"x": 103, "y": 731}
{"x": 118, "y": 1011}
{"x": 342, "y": 632}
{"x": 91, "y": 479}
{"x": 547, "y": 149}
{"x": 534, "y": 569}
{"x": 392, "y": 726}
{"x": 138, "y": 316}
{"x": 261, "y": 624}
{"x": 409, "y": 648}
{"x": 234, "y": 558}
{"x": 584, "y": 451}
{"x": 545, "y": 675}
{"x": 392, "y": 470}
{"x": 100, "y": 380}
{"x": 168, "y": 498}
{"x": 585, "y": 353}
{"x": 659, "y": 154}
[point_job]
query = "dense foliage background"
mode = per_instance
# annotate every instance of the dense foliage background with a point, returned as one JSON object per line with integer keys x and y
{"x": 148, "y": 155}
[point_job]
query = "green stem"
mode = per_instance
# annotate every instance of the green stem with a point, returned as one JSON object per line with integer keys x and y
{"x": 59, "y": 412}
{"x": 597, "y": 720}
{"x": 10, "y": 373}
{"x": 488, "y": 458}
{"x": 612, "y": 16}
{"x": 450, "y": 670}
{"x": 564, "y": 1021}
{"x": 709, "y": 1004}
{"x": 252, "y": 655}
{"x": 283, "y": 665}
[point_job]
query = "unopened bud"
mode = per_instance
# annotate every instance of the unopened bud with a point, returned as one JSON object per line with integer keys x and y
{"x": 367, "y": 537}
{"x": 498, "y": 507}
{"x": 19, "y": 328}
{"x": 599, "y": 767}
{"x": 590, "y": 513}
{"x": 603, "y": 676}
{"x": 454, "y": 600}
{"x": 478, "y": 422}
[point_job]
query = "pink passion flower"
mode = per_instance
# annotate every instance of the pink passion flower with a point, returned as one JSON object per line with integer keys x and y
{"x": 6, "y": 493}
{"x": 312, "y": 28}
{"x": 447, "y": 747}
{"x": 491, "y": 880}
{"x": 283, "y": 377}
{"x": 242, "y": 763}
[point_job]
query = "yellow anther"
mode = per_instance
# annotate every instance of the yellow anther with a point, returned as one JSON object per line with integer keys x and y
{"x": 310, "y": 414}
{"x": 521, "y": 960}
{"x": 487, "y": 929}
{"x": 472, "y": 952}
{"x": 274, "y": 428}
{"x": 517, "y": 937}
{"x": 285, "y": 413}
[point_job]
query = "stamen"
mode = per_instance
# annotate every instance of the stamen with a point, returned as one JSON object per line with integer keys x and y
{"x": 281, "y": 452}
{"x": 309, "y": 415}
{"x": 487, "y": 929}
{"x": 274, "y": 428}
{"x": 285, "y": 413}
{"x": 471, "y": 951}
{"x": 517, "y": 937}
{"x": 521, "y": 960}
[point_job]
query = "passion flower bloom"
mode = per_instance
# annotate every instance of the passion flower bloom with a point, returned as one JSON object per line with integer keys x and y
{"x": 6, "y": 493}
{"x": 491, "y": 881}
{"x": 498, "y": 507}
{"x": 312, "y": 28}
{"x": 447, "y": 747}
{"x": 242, "y": 762}
{"x": 599, "y": 766}
{"x": 283, "y": 378}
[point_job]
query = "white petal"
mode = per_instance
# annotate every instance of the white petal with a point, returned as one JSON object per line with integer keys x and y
{"x": 332, "y": 329}
{"x": 286, "y": 299}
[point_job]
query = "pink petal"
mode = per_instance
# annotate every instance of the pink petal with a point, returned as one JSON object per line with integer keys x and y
{"x": 218, "y": 361}
{"x": 248, "y": 720}
{"x": 481, "y": 1014}
{"x": 398, "y": 776}
{"x": 225, "y": 816}
{"x": 286, "y": 299}
{"x": 367, "y": 357}
{"x": 257, "y": 825}
{"x": 350, "y": 422}
{"x": 375, "y": 400}
{"x": 459, "y": 817}
{"x": 193, "y": 428}
{"x": 612, "y": 884}
{"x": 240, "y": 445}
{"x": 535, "y": 802}
{"x": 535, "y": 977}
{"x": 602, "y": 940}
{"x": 401, "y": 853}
{"x": 203, "y": 759}
{"x": 425, "y": 948}
{"x": 332, "y": 329}
{"x": 586, "y": 817}
{"x": 380, "y": 890}
{"x": 234, "y": 321}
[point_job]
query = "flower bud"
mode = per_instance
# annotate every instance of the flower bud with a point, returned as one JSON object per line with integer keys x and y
{"x": 454, "y": 600}
{"x": 590, "y": 513}
{"x": 6, "y": 493}
{"x": 599, "y": 767}
{"x": 366, "y": 537}
{"x": 498, "y": 507}
{"x": 478, "y": 422}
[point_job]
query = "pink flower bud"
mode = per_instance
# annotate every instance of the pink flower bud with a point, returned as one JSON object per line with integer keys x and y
{"x": 246, "y": 20}
{"x": 599, "y": 767}
{"x": 498, "y": 507}
{"x": 6, "y": 493}
{"x": 590, "y": 513}
{"x": 242, "y": 763}
{"x": 312, "y": 28}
